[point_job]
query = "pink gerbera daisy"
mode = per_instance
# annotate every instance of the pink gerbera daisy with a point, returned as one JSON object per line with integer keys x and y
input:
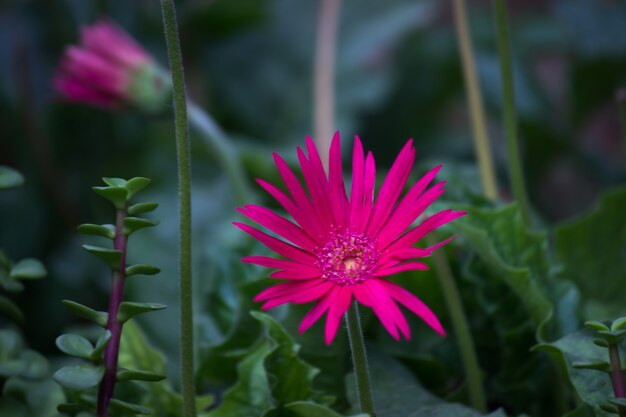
{"x": 342, "y": 247}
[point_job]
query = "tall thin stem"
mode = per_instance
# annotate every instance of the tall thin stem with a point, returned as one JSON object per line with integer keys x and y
{"x": 461, "y": 330}
{"x": 477, "y": 112}
{"x": 359, "y": 359}
{"x": 184, "y": 185}
{"x": 219, "y": 143}
{"x": 620, "y": 98}
{"x": 618, "y": 376}
{"x": 516, "y": 173}
{"x": 324, "y": 75}
{"x": 111, "y": 352}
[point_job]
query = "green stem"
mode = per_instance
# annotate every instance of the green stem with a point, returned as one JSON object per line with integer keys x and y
{"x": 510, "y": 120}
{"x": 477, "y": 112}
{"x": 184, "y": 184}
{"x": 221, "y": 146}
{"x": 620, "y": 97}
{"x": 461, "y": 330}
{"x": 359, "y": 359}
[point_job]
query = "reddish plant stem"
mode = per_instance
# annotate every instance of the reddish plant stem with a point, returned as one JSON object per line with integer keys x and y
{"x": 111, "y": 352}
{"x": 618, "y": 376}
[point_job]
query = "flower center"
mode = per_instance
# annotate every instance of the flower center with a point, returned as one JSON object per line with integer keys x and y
{"x": 347, "y": 258}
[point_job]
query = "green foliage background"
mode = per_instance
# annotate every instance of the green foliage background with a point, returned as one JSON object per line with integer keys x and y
{"x": 249, "y": 63}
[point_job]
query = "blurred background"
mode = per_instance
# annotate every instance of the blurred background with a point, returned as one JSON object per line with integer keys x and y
{"x": 249, "y": 64}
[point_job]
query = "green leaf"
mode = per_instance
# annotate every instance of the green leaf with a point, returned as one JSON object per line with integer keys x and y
{"x": 596, "y": 325}
{"x": 9, "y": 177}
{"x": 602, "y": 366}
{"x": 592, "y": 386}
{"x": 75, "y": 345}
{"x": 111, "y": 256}
{"x": 98, "y": 317}
{"x": 11, "y": 310}
{"x": 513, "y": 254}
{"x": 308, "y": 409}
{"x": 122, "y": 407}
{"x": 132, "y": 224}
{"x": 293, "y": 377}
{"x": 103, "y": 230}
{"x": 115, "y": 182}
{"x": 142, "y": 208}
{"x": 128, "y": 310}
{"x": 134, "y": 185}
{"x": 28, "y": 268}
{"x": 116, "y": 195}
{"x": 101, "y": 343}
{"x": 79, "y": 377}
{"x": 129, "y": 375}
{"x": 618, "y": 324}
{"x": 591, "y": 250}
{"x": 142, "y": 269}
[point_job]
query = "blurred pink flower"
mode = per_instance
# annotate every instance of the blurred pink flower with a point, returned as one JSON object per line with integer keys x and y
{"x": 109, "y": 69}
{"x": 342, "y": 247}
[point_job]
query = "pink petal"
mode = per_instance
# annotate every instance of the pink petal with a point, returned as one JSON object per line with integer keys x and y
{"x": 297, "y": 273}
{"x": 336, "y": 311}
{"x": 391, "y": 188}
{"x": 338, "y": 197}
{"x": 318, "y": 310}
{"x": 404, "y": 254}
{"x": 301, "y": 296}
{"x": 427, "y": 226}
{"x": 356, "y": 192}
{"x": 368, "y": 190}
{"x": 367, "y": 293}
{"x": 387, "y": 307}
{"x": 415, "y": 305}
{"x": 278, "y": 246}
{"x": 318, "y": 190}
{"x": 286, "y": 289}
{"x": 409, "y": 266}
{"x": 279, "y": 225}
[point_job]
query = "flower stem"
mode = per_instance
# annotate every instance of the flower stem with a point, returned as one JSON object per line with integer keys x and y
{"x": 323, "y": 75}
{"x": 184, "y": 185}
{"x": 510, "y": 120}
{"x": 620, "y": 98}
{"x": 477, "y": 112}
{"x": 618, "y": 376}
{"x": 219, "y": 143}
{"x": 461, "y": 330}
{"x": 111, "y": 352}
{"x": 359, "y": 359}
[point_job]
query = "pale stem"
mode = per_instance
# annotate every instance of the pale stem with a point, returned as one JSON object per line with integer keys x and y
{"x": 359, "y": 359}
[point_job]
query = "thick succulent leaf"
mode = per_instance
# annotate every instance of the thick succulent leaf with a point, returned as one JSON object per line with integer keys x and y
{"x": 75, "y": 345}
{"x": 98, "y": 317}
{"x": 128, "y": 310}
{"x": 142, "y": 208}
{"x": 129, "y": 375}
{"x": 79, "y": 377}
{"x": 593, "y": 387}
{"x": 115, "y": 195}
{"x": 141, "y": 269}
{"x": 9, "y": 177}
{"x": 40, "y": 398}
{"x": 101, "y": 343}
{"x": 111, "y": 256}
{"x": 134, "y": 185}
{"x": 103, "y": 230}
{"x": 591, "y": 250}
{"x": 28, "y": 268}
{"x": 132, "y": 224}
{"x": 114, "y": 182}
{"x": 119, "y": 408}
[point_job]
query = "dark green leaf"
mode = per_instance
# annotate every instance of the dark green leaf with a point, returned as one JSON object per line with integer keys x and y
{"x": 596, "y": 366}
{"x": 103, "y": 230}
{"x": 115, "y": 195}
{"x": 117, "y": 406}
{"x": 141, "y": 208}
{"x": 28, "y": 268}
{"x": 79, "y": 377}
{"x": 111, "y": 256}
{"x": 591, "y": 249}
{"x": 308, "y": 409}
{"x": 101, "y": 343}
{"x": 98, "y": 317}
{"x": 132, "y": 224}
{"x": 75, "y": 345}
{"x": 134, "y": 185}
{"x": 128, "y": 310}
{"x": 128, "y": 375}
{"x": 618, "y": 324}
{"x": 12, "y": 311}
{"x": 141, "y": 269}
{"x": 41, "y": 397}
{"x": 9, "y": 177}
{"x": 596, "y": 325}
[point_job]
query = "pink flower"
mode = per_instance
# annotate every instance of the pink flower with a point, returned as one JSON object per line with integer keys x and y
{"x": 342, "y": 247}
{"x": 109, "y": 69}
